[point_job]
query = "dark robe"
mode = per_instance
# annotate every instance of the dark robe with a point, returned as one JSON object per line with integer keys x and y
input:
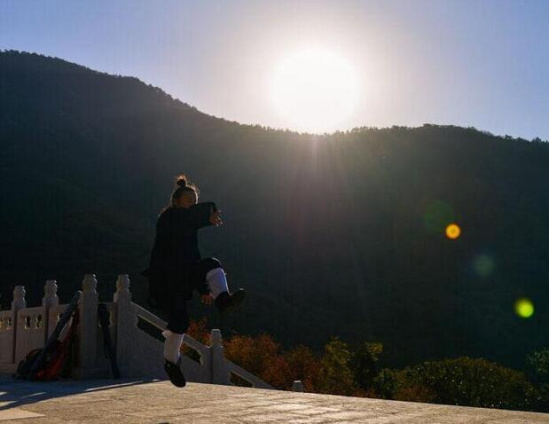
{"x": 175, "y": 251}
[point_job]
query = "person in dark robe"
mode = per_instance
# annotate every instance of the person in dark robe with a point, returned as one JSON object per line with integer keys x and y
{"x": 176, "y": 269}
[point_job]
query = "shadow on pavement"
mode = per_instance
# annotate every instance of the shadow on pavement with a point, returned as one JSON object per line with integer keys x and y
{"x": 23, "y": 392}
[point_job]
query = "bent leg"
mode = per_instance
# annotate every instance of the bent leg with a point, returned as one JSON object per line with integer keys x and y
{"x": 217, "y": 281}
{"x": 211, "y": 271}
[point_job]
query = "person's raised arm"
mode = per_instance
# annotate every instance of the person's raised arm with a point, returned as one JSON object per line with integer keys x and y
{"x": 205, "y": 214}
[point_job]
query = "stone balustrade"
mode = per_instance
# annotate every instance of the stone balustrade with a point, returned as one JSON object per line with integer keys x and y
{"x": 139, "y": 353}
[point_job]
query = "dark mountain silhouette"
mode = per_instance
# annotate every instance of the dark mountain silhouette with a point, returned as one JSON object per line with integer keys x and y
{"x": 337, "y": 234}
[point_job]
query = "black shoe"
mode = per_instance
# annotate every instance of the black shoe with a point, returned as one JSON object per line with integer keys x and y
{"x": 226, "y": 301}
{"x": 174, "y": 372}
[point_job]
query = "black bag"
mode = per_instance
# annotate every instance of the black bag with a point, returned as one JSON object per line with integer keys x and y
{"x": 103, "y": 314}
{"x": 25, "y": 365}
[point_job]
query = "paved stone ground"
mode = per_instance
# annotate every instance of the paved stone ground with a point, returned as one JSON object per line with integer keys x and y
{"x": 124, "y": 401}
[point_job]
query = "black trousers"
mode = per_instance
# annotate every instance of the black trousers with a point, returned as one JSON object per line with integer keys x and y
{"x": 179, "y": 293}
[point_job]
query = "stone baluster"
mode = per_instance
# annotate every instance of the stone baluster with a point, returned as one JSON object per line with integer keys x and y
{"x": 220, "y": 374}
{"x": 88, "y": 324}
{"x": 50, "y": 295}
{"x": 17, "y": 303}
{"x": 49, "y": 300}
{"x": 123, "y": 289}
{"x": 297, "y": 386}
{"x": 126, "y": 324}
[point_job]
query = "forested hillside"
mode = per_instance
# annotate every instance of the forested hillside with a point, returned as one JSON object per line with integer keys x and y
{"x": 340, "y": 234}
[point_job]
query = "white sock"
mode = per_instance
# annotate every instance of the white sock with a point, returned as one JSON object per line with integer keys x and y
{"x": 172, "y": 345}
{"x": 217, "y": 281}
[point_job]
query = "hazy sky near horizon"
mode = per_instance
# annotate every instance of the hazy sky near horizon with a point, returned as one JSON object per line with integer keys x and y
{"x": 462, "y": 62}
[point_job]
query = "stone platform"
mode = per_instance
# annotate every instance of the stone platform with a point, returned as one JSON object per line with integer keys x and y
{"x": 131, "y": 401}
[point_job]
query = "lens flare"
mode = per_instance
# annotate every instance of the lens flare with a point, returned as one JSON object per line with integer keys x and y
{"x": 483, "y": 265}
{"x": 453, "y": 231}
{"x": 524, "y": 308}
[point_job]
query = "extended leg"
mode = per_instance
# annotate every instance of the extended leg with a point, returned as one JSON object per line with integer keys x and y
{"x": 178, "y": 322}
{"x": 172, "y": 345}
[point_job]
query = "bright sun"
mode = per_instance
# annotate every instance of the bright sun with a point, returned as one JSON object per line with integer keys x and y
{"x": 314, "y": 90}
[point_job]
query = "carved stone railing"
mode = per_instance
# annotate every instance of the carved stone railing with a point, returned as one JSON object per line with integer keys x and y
{"x": 212, "y": 366}
{"x": 135, "y": 333}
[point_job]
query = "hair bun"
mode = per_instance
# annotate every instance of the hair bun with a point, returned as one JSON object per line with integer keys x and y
{"x": 182, "y": 182}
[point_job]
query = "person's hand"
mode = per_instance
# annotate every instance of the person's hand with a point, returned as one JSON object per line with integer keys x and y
{"x": 215, "y": 218}
{"x": 207, "y": 299}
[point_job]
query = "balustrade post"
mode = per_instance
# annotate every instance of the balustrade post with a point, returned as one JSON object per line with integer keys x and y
{"x": 126, "y": 323}
{"x": 50, "y": 294}
{"x": 49, "y": 300}
{"x": 219, "y": 371}
{"x": 17, "y": 303}
{"x": 297, "y": 386}
{"x": 88, "y": 323}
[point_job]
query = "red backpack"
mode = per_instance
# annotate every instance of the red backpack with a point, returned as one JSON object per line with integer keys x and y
{"x": 56, "y": 363}
{"x": 55, "y": 359}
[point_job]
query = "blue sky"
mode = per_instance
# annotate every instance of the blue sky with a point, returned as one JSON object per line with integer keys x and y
{"x": 471, "y": 63}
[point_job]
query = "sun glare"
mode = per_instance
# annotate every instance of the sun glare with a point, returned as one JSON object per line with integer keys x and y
{"x": 314, "y": 90}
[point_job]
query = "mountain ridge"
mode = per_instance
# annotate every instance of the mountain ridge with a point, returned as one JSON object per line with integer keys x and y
{"x": 333, "y": 235}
